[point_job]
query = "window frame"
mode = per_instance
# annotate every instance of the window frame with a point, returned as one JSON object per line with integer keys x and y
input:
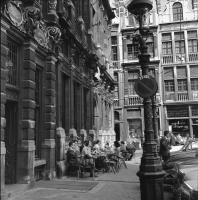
{"x": 177, "y": 10}
{"x": 169, "y": 87}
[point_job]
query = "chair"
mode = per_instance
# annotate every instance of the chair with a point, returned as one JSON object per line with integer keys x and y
{"x": 87, "y": 163}
{"x": 74, "y": 163}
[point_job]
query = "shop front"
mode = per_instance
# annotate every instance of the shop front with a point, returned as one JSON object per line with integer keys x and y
{"x": 179, "y": 126}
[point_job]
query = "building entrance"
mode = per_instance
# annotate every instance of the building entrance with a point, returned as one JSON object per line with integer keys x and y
{"x": 10, "y": 141}
{"x": 117, "y": 131}
{"x": 195, "y": 131}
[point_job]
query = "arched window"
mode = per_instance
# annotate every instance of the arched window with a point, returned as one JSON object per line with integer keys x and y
{"x": 177, "y": 12}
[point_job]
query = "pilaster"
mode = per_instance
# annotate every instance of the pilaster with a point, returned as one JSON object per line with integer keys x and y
{"x": 4, "y": 54}
{"x": 26, "y": 148}
{"x": 2, "y": 172}
{"x": 48, "y": 146}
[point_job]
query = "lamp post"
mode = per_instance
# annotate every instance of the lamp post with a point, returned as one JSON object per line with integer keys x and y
{"x": 150, "y": 173}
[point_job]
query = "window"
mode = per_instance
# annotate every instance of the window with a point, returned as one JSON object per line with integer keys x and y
{"x": 177, "y": 12}
{"x": 168, "y": 73}
{"x": 116, "y": 92}
{"x": 114, "y": 48}
{"x": 114, "y": 53}
{"x": 131, "y": 89}
{"x": 166, "y": 37}
{"x": 192, "y": 42}
{"x": 166, "y": 44}
{"x": 133, "y": 74}
{"x": 131, "y": 20}
{"x": 166, "y": 48}
{"x": 181, "y": 72}
{"x": 179, "y": 43}
{"x": 133, "y": 51}
{"x": 194, "y": 4}
{"x": 38, "y": 110}
{"x": 13, "y": 57}
{"x": 194, "y": 110}
{"x": 115, "y": 76}
{"x": 194, "y": 84}
{"x": 194, "y": 71}
{"x": 150, "y": 46}
{"x": 169, "y": 86}
{"x": 114, "y": 40}
{"x": 182, "y": 85}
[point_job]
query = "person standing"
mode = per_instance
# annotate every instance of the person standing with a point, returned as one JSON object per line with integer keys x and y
{"x": 165, "y": 147}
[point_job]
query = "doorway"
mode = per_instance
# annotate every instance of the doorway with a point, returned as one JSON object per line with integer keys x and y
{"x": 117, "y": 131}
{"x": 11, "y": 111}
{"x": 195, "y": 130}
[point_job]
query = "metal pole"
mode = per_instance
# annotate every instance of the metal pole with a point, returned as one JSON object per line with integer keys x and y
{"x": 150, "y": 173}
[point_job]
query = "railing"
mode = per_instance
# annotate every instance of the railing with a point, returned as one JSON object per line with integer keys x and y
{"x": 193, "y": 57}
{"x": 116, "y": 102}
{"x": 182, "y": 96}
{"x": 167, "y": 59}
{"x": 133, "y": 101}
{"x": 115, "y": 64}
{"x": 180, "y": 58}
{"x": 170, "y": 97}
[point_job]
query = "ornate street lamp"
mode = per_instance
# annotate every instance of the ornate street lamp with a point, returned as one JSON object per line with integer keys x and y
{"x": 150, "y": 173}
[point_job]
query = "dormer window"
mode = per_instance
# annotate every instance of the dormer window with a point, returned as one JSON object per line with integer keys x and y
{"x": 177, "y": 12}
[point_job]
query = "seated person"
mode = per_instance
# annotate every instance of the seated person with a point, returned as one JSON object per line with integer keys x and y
{"x": 88, "y": 158}
{"x": 72, "y": 159}
{"x": 123, "y": 146}
{"x": 96, "y": 147}
{"x": 76, "y": 147}
{"x": 107, "y": 147}
{"x": 116, "y": 148}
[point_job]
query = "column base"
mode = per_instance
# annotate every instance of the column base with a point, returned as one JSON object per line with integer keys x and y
{"x": 2, "y": 186}
{"x": 25, "y": 162}
{"x": 48, "y": 153}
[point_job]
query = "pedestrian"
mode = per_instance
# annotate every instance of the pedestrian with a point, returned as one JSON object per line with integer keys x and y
{"x": 165, "y": 147}
{"x": 172, "y": 139}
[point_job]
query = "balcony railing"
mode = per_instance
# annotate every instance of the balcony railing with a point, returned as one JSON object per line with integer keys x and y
{"x": 167, "y": 59}
{"x": 182, "y": 96}
{"x": 170, "y": 96}
{"x": 193, "y": 57}
{"x": 180, "y": 58}
{"x": 179, "y": 96}
{"x": 116, "y": 103}
{"x": 116, "y": 65}
{"x": 133, "y": 101}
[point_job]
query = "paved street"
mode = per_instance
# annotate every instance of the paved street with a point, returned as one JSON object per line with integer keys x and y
{"x": 121, "y": 186}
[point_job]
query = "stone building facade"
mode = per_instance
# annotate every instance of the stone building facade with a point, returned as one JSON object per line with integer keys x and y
{"x": 173, "y": 49}
{"x": 48, "y": 66}
{"x": 178, "y": 36}
{"x": 128, "y": 106}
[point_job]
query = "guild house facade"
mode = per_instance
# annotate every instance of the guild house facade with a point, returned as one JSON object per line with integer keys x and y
{"x": 49, "y": 59}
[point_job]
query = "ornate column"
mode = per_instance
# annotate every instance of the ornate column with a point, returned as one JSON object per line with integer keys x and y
{"x": 48, "y": 146}
{"x": 4, "y": 54}
{"x": 26, "y": 148}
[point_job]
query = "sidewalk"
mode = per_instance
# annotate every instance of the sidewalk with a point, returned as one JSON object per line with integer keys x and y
{"x": 107, "y": 186}
{"x": 121, "y": 186}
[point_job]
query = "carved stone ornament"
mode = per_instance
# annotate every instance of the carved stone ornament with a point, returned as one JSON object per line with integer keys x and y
{"x": 40, "y": 34}
{"x": 52, "y": 4}
{"x": 54, "y": 35}
{"x": 32, "y": 16}
{"x": 14, "y": 12}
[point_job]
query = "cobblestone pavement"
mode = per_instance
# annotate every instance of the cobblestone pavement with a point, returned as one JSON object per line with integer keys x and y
{"x": 121, "y": 186}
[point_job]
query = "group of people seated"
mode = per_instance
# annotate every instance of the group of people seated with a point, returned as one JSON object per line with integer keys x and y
{"x": 93, "y": 156}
